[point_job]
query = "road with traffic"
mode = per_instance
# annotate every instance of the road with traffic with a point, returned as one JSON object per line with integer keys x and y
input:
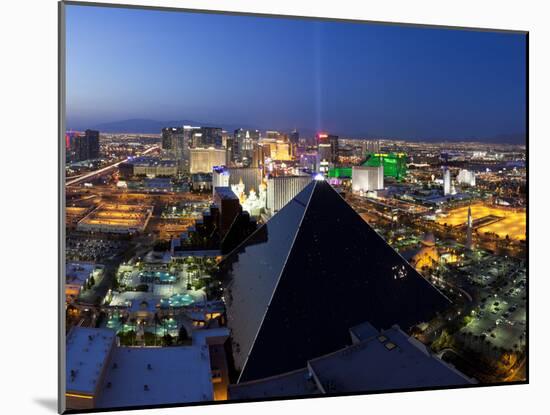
{"x": 103, "y": 170}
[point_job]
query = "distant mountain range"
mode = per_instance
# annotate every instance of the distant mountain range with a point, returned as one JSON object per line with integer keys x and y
{"x": 141, "y": 125}
{"x": 147, "y": 126}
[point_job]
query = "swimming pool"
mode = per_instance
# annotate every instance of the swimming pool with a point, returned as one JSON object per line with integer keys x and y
{"x": 177, "y": 300}
{"x": 160, "y": 276}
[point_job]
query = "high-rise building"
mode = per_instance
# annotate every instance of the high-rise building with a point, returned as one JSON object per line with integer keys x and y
{"x": 258, "y": 157}
{"x": 171, "y": 138}
{"x": 243, "y": 144}
{"x": 230, "y": 147}
{"x": 308, "y": 161}
{"x": 196, "y": 139}
{"x": 469, "y": 228}
{"x": 227, "y": 143}
{"x": 175, "y": 144}
{"x": 206, "y": 137}
{"x": 85, "y": 147}
{"x": 220, "y": 178}
{"x": 466, "y": 177}
{"x": 269, "y": 147}
{"x": 315, "y": 267}
{"x": 225, "y": 136}
{"x": 165, "y": 140}
{"x": 188, "y": 132}
{"x": 203, "y": 160}
{"x": 327, "y": 152}
{"x": 334, "y": 148}
{"x": 275, "y": 135}
{"x": 295, "y": 137}
{"x": 446, "y": 181}
{"x": 92, "y": 138}
{"x": 324, "y": 153}
{"x": 229, "y": 207}
{"x": 77, "y": 145}
{"x": 364, "y": 179}
{"x": 370, "y": 146}
{"x": 282, "y": 189}
{"x": 282, "y": 150}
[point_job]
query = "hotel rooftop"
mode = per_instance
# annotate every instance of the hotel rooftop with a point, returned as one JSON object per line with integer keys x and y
{"x": 155, "y": 375}
{"x": 88, "y": 350}
{"x": 376, "y": 361}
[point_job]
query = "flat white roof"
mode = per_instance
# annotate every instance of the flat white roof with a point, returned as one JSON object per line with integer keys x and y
{"x": 87, "y": 352}
{"x": 78, "y": 272}
{"x": 157, "y": 375}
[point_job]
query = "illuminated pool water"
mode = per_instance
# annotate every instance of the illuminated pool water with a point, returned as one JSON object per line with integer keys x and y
{"x": 168, "y": 326}
{"x": 159, "y": 276}
{"x": 177, "y": 300}
{"x": 114, "y": 323}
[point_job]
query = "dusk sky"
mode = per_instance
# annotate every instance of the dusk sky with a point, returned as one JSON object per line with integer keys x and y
{"x": 272, "y": 73}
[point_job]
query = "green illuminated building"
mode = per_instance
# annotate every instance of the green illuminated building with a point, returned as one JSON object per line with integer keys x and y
{"x": 395, "y": 164}
{"x": 339, "y": 173}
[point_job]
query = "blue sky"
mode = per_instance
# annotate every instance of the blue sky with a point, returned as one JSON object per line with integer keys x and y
{"x": 347, "y": 78}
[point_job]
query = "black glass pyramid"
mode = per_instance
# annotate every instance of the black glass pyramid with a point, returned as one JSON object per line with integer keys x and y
{"x": 295, "y": 287}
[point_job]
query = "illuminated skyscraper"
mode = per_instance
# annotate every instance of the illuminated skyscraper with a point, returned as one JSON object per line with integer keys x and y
{"x": 176, "y": 146}
{"x": 294, "y": 137}
{"x": 85, "y": 147}
{"x": 466, "y": 177}
{"x": 258, "y": 156}
{"x": 446, "y": 181}
{"x": 275, "y": 135}
{"x": 171, "y": 138}
{"x": 334, "y": 148}
{"x": 92, "y": 138}
{"x": 370, "y": 146}
{"x": 469, "y": 240}
{"x": 326, "y": 145}
{"x": 206, "y": 137}
{"x": 243, "y": 145}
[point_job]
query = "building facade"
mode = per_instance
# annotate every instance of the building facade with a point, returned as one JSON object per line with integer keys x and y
{"x": 84, "y": 147}
{"x": 243, "y": 144}
{"x": 229, "y": 207}
{"x": 203, "y": 160}
{"x": 282, "y": 189}
{"x": 446, "y": 182}
{"x": 206, "y": 137}
{"x": 365, "y": 179}
{"x": 466, "y": 177}
{"x": 327, "y": 152}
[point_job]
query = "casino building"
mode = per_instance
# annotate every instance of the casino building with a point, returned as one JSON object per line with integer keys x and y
{"x": 316, "y": 269}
